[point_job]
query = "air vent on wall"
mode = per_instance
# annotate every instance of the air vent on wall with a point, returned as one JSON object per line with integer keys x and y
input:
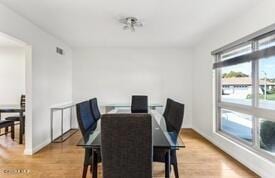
{"x": 59, "y": 51}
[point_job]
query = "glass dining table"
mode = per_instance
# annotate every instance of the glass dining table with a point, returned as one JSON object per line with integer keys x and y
{"x": 162, "y": 138}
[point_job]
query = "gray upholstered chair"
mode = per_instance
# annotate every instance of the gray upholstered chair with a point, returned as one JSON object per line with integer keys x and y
{"x": 174, "y": 117}
{"x": 126, "y": 145}
{"x": 139, "y": 104}
{"x": 173, "y": 114}
{"x": 87, "y": 124}
{"x": 167, "y": 108}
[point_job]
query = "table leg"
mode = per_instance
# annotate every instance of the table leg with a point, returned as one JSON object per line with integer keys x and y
{"x": 61, "y": 125}
{"x": 71, "y": 116}
{"x": 12, "y": 131}
{"x": 51, "y": 125}
{"x": 167, "y": 164}
{"x": 94, "y": 164}
{"x": 21, "y": 125}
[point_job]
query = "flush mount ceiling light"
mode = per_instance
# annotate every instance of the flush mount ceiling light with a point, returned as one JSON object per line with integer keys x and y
{"x": 130, "y": 23}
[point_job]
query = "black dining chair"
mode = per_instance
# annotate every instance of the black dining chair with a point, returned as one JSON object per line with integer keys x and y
{"x": 87, "y": 123}
{"x": 16, "y": 119}
{"x": 167, "y": 107}
{"x": 126, "y": 143}
{"x": 174, "y": 118}
{"x": 139, "y": 104}
{"x": 95, "y": 108}
{"x": 6, "y": 125}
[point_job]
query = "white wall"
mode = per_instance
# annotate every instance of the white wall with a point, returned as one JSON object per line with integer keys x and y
{"x": 113, "y": 75}
{"x": 12, "y": 74}
{"x": 48, "y": 75}
{"x": 203, "y": 121}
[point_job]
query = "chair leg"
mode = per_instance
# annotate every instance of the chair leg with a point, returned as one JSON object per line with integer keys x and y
{"x": 94, "y": 165}
{"x": 84, "y": 173}
{"x": 176, "y": 171}
{"x": 6, "y": 130}
{"x": 91, "y": 168}
{"x": 23, "y": 127}
{"x": 175, "y": 165}
{"x": 167, "y": 164}
{"x": 12, "y": 131}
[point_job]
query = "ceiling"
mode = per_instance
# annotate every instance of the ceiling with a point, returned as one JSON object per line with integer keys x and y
{"x": 94, "y": 23}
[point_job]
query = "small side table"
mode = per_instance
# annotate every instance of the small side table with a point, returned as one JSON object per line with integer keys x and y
{"x": 71, "y": 131}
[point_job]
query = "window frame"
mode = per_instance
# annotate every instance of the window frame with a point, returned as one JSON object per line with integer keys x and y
{"x": 254, "y": 109}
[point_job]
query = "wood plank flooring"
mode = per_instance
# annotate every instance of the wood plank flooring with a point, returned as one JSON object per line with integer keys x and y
{"x": 200, "y": 159}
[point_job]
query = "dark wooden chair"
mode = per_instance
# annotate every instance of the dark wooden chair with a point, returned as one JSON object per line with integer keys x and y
{"x": 16, "y": 119}
{"x": 87, "y": 123}
{"x": 139, "y": 104}
{"x": 6, "y": 125}
{"x": 173, "y": 114}
{"x": 126, "y": 144}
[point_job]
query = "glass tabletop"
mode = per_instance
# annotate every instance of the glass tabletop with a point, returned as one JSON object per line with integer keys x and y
{"x": 161, "y": 137}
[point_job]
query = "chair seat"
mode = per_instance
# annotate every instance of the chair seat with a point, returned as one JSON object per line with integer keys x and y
{"x": 14, "y": 118}
{"x": 4, "y": 123}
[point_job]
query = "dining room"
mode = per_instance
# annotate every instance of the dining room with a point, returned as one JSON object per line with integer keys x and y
{"x": 137, "y": 89}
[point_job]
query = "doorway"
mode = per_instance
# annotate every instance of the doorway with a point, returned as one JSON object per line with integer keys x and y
{"x": 15, "y": 100}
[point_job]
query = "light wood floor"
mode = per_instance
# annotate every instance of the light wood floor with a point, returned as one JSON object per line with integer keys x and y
{"x": 200, "y": 159}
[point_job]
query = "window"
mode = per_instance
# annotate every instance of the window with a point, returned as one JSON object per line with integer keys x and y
{"x": 237, "y": 124}
{"x": 237, "y": 84}
{"x": 238, "y": 51}
{"x": 267, "y": 83}
{"x": 267, "y": 135}
{"x": 245, "y": 93}
{"x": 267, "y": 42}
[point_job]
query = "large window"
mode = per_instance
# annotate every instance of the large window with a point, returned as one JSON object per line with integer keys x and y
{"x": 245, "y": 93}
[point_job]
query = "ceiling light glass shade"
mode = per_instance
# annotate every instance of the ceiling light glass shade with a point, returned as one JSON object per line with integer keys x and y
{"x": 125, "y": 27}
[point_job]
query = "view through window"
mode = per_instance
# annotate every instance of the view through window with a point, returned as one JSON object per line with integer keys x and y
{"x": 246, "y": 95}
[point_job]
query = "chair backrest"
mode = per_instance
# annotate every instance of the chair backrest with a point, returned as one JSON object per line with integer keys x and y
{"x": 85, "y": 118}
{"x": 167, "y": 108}
{"x": 139, "y": 104}
{"x": 175, "y": 117}
{"x": 95, "y": 109}
{"x": 126, "y": 143}
{"x": 23, "y": 101}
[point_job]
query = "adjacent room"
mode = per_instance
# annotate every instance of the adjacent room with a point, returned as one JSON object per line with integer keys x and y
{"x": 137, "y": 89}
{"x": 13, "y": 101}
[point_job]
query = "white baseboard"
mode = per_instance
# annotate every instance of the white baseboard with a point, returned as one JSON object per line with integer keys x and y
{"x": 187, "y": 126}
{"x": 37, "y": 148}
{"x": 262, "y": 168}
{"x": 28, "y": 152}
{"x": 40, "y": 146}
